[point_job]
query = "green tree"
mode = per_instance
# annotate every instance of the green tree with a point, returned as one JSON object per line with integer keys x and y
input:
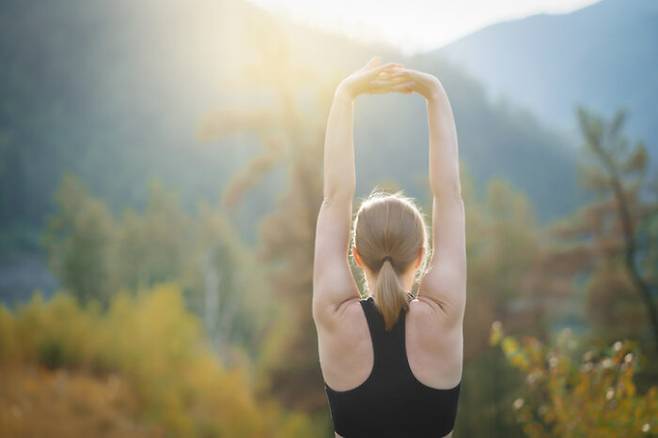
{"x": 153, "y": 245}
{"x": 95, "y": 255}
{"x": 79, "y": 239}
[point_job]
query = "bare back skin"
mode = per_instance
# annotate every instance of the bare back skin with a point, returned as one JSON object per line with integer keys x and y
{"x": 434, "y": 350}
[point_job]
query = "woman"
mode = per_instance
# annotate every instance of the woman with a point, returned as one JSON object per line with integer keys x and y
{"x": 392, "y": 361}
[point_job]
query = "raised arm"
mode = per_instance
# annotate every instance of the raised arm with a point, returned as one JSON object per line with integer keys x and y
{"x": 333, "y": 283}
{"x": 444, "y": 285}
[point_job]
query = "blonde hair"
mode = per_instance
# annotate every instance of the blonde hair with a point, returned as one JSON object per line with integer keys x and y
{"x": 390, "y": 224}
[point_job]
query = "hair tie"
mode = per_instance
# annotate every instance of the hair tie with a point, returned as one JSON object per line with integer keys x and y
{"x": 389, "y": 259}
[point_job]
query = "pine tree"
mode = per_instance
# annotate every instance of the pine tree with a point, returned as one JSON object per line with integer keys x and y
{"x": 613, "y": 238}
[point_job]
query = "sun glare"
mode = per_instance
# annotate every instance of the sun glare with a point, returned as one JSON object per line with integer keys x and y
{"x": 415, "y": 25}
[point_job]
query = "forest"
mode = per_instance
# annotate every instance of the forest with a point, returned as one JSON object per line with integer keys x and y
{"x": 157, "y": 219}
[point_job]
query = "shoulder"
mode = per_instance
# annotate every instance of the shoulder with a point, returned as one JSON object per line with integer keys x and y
{"x": 341, "y": 316}
{"x": 432, "y": 314}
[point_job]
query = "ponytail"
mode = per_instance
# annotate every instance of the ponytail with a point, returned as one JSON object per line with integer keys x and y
{"x": 389, "y": 225}
{"x": 390, "y": 297}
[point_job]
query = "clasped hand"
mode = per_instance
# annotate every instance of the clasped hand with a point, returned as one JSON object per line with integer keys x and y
{"x": 374, "y": 78}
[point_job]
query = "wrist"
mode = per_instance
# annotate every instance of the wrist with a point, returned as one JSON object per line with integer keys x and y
{"x": 435, "y": 92}
{"x": 344, "y": 93}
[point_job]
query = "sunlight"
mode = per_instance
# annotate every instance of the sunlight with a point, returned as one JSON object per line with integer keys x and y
{"x": 416, "y": 25}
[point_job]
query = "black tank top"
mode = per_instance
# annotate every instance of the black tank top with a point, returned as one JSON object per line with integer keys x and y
{"x": 391, "y": 402}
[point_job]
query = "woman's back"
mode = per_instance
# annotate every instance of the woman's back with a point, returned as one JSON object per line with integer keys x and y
{"x": 416, "y": 393}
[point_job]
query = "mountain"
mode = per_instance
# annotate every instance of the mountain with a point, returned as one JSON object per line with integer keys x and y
{"x": 604, "y": 56}
{"x": 116, "y": 92}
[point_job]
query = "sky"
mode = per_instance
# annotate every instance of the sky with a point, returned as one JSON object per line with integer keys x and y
{"x": 413, "y": 25}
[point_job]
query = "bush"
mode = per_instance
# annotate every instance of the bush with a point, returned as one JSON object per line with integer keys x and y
{"x": 154, "y": 343}
{"x": 569, "y": 392}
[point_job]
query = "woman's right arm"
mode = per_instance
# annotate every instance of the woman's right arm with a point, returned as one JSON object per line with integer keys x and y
{"x": 445, "y": 283}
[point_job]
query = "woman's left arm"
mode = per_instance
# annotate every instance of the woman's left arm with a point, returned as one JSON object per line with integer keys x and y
{"x": 333, "y": 283}
{"x": 339, "y": 178}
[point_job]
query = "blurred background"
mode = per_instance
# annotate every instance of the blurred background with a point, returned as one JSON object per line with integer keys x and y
{"x": 160, "y": 177}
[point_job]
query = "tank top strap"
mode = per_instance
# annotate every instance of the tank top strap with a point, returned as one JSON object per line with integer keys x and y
{"x": 388, "y": 346}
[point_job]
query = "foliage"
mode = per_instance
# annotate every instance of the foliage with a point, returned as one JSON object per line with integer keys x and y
{"x": 158, "y": 347}
{"x": 569, "y": 392}
{"x": 36, "y": 401}
{"x": 95, "y": 253}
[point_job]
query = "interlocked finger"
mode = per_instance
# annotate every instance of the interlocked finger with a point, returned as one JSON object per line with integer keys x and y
{"x": 388, "y": 77}
{"x": 376, "y": 71}
{"x": 386, "y": 82}
{"x": 386, "y": 66}
{"x": 405, "y": 87}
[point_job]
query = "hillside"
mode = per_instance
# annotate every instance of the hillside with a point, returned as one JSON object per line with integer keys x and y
{"x": 117, "y": 92}
{"x": 604, "y": 55}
